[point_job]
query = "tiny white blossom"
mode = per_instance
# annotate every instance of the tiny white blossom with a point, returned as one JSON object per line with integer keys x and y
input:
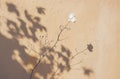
{"x": 72, "y": 17}
{"x": 73, "y": 20}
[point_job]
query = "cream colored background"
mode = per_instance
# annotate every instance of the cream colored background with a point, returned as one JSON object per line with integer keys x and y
{"x": 97, "y": 23}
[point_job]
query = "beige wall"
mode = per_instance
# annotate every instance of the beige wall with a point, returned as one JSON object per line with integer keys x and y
{"x": 97, "y": 23}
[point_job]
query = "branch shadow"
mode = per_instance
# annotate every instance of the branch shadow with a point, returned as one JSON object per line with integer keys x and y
{"x": 14, "y": 59}
{"x": 55, "y": 63}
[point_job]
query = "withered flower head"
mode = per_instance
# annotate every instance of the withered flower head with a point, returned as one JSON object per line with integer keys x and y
{"x": 90, "y": 47}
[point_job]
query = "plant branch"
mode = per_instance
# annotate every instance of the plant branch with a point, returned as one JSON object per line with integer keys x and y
{"x": 43, "y": 55}
{"x": 76, "y": 63}
{"x": 34, "y": 68}
{"x": 78, "y": 53}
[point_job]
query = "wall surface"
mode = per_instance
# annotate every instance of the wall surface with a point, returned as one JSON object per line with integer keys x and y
{"x": 27, "y": 26}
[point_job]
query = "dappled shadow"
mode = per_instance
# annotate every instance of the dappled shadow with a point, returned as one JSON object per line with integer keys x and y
{"x": 55, "y": 63}
{"x": 41, "y": 10}
{"x": 10, "y": 69}
{"x": 34, "y": 20}
{"x": 87, "y": 71}
{"x": 12, "y": 8}
{"x": 16, "y": 62}
{"x": 13, "y": 28}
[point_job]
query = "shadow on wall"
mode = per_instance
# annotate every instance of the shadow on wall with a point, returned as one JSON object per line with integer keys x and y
{"x": 87, "y": 71}
{"x": 49, "y": 68}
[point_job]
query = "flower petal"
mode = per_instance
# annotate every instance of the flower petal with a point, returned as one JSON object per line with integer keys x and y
{"x": 71, "y": 15}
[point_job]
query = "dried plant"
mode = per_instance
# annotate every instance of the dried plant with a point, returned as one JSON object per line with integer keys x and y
{"x": 44, "y": 53}
{"x": 47, "y": 49}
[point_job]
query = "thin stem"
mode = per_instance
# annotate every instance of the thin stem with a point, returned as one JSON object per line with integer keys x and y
{"x": 35, "y": 51}
{"x": 76, "y": 63}
{"x": 78, "y": 53}
{"x": 34, "y": 68}
{"x": 58, "y": 39}
{"x": 75, "y": 69}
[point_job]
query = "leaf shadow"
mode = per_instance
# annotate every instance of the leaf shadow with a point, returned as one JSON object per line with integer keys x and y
{"x": 55, "y": 63}
{"x": 14, "y": 58}
{"x": 87, "y": 71}
{"x": 12, "y": 8}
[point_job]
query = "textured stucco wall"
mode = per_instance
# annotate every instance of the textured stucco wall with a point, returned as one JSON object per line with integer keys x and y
{"x": 97, "y": 23}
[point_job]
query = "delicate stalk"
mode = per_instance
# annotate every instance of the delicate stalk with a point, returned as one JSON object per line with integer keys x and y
{"x": 58, "y": 39}
{"x": 78, "y": 53}
{"x": 34, "y": 68}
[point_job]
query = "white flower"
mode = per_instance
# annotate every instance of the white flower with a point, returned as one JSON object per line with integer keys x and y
{"x": 71, "y": 15}
{"x": 72, "y": 18}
